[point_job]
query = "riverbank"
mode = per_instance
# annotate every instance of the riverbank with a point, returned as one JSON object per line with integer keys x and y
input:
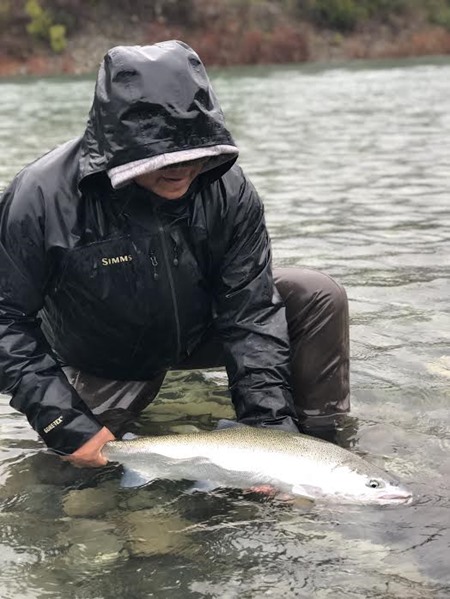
{"x": 232, "y": 42}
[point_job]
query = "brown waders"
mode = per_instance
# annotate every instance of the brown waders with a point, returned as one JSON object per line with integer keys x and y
{"x": 318, "y": 324}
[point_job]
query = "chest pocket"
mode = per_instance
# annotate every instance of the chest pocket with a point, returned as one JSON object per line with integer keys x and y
{"x": 116, "y": 273}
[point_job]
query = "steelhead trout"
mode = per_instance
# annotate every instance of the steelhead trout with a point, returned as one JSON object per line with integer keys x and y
{"x": 244, "y": 456}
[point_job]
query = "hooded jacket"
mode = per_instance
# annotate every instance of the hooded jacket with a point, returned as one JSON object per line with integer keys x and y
{"x": 123, "y": 284}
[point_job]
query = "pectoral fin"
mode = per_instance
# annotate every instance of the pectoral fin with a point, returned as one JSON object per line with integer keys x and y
{"x": 134, "y": 478}
{"x": 307, "y": 491}
{"x": 203, "y": 486}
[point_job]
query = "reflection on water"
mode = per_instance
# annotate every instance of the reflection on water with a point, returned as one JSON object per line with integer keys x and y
{"x": 353, "y": 164}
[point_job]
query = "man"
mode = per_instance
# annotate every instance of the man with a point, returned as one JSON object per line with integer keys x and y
{"x": 142, "y": 247}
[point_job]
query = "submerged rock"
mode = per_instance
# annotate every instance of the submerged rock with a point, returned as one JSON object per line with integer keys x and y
{"x": 90, "y": 545}
{"x": 152, "y": 532}
{"x": 90, "y": 502}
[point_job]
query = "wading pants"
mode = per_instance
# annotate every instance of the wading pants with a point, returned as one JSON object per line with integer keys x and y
{"x": 317, "y": 317}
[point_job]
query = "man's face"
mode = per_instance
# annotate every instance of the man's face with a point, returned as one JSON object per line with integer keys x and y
{"x": 172, "y": 182}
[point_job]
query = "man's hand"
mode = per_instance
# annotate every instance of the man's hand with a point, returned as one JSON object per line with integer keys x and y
{"x": 90, "y": 455}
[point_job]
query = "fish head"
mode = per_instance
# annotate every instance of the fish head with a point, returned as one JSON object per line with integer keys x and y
{"x": 376, "y": 487}
{"x": 386, "y": 491}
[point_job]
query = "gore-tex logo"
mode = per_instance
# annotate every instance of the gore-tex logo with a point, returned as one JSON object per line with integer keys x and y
{"x": 53, "y": 424}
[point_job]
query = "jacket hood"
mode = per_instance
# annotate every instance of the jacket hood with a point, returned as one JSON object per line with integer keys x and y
{"x": 153, "y": 101}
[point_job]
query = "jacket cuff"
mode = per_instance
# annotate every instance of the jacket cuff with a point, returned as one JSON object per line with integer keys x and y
{"x": 68, "y": 432}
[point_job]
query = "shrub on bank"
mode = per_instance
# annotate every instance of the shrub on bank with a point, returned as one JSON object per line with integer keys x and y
{"x": 41, "y": 26}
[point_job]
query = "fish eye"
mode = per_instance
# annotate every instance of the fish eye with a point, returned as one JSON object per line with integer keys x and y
{"x": 374, "y": 484}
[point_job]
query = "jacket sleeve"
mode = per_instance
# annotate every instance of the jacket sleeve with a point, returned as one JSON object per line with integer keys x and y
{"x": 29, "y": 371}
{"x": 252, "y": 323}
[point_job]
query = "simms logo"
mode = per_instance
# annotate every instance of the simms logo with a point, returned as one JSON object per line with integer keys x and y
{"x": 53, "y": 424}
{"x": 116, "y": 260}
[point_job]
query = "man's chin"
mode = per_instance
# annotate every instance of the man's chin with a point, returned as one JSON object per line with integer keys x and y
{"x": 173, "y": 194}
{"x": 177, "y": 196}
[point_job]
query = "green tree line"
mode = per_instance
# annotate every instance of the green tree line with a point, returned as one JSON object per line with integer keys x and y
{"x": 25, "y": 23}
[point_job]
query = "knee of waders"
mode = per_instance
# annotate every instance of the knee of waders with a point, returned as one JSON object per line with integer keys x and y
{"x": 305, "y": 290}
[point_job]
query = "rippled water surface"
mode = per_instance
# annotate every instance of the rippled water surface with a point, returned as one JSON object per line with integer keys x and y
{"x": 353, "y": 163}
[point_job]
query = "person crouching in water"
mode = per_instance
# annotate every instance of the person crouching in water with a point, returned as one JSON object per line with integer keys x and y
{"x": 141, "y": 247}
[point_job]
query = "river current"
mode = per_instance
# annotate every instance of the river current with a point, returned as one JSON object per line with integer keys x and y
{"x": 353, "y": 164}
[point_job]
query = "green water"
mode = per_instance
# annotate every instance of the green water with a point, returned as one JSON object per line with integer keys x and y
{"x": 353, "y": 164}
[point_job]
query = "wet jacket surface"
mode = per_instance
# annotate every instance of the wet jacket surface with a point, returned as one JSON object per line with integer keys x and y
{"x": 123, "y": 284}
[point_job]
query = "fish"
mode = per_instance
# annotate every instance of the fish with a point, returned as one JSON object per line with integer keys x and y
{"x": 244, "y": 457}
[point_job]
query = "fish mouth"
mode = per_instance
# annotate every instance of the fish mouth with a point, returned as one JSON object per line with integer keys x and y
{"x": 396, "y": 498}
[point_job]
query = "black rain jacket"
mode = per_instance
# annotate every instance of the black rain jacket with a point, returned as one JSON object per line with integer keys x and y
{"x": 122, "y": 284}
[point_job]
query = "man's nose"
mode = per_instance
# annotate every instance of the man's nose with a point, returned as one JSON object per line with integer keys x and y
{"x": 188, "y": 164}
{"x": 181, "y": 170}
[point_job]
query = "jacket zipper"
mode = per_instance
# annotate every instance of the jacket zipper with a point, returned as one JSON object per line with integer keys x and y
{"x": 154, "y": 262}
{"x": 171, "y": 283}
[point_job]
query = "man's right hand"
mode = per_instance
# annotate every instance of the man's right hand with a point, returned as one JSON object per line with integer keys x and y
{"x": 90, "y": 455}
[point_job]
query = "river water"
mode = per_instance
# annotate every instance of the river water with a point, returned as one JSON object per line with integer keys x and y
{"x": 353, "y": 163}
